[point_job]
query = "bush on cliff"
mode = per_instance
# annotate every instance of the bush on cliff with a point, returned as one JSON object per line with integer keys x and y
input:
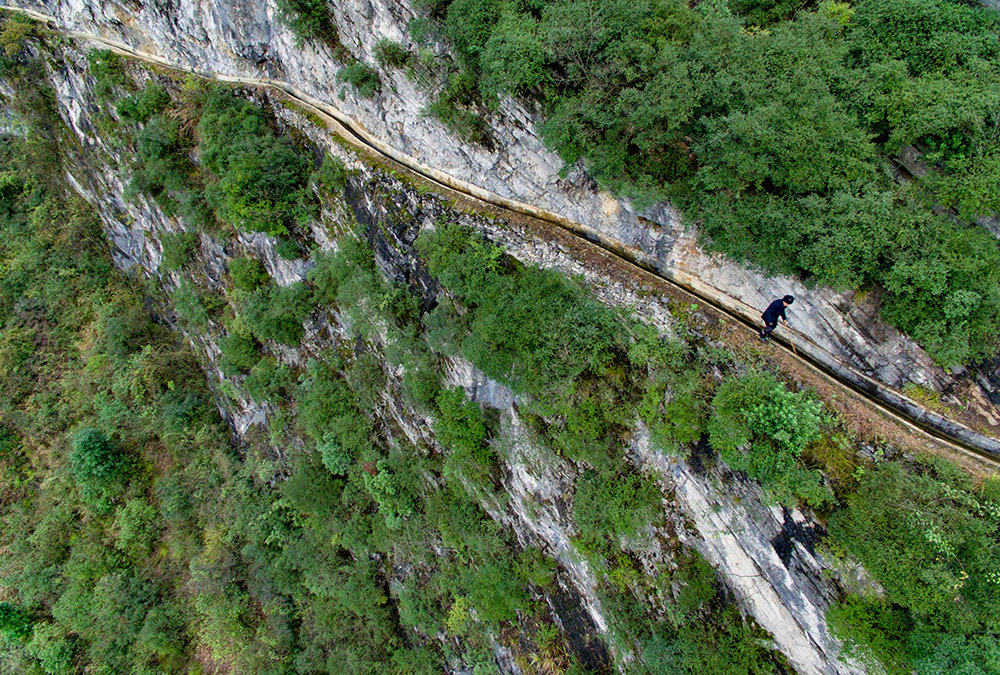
{"x": 760, "y": 427}
{"x": 770, "y": 124}
{"x": 261, "y": 179}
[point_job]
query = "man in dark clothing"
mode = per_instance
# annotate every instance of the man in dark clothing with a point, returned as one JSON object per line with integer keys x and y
{"x": 774, "y": 311}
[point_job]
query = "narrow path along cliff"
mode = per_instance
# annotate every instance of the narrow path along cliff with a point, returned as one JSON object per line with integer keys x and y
{"x": 958, "y": 437}
{"x": 542, "y": 481}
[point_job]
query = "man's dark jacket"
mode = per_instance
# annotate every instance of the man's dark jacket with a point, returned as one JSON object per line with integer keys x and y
{"x": 773, "y": 311}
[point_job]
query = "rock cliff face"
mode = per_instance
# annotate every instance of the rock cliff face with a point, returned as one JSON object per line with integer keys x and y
{"x": 246, "y": 38}
{"x": 765, "y": 555}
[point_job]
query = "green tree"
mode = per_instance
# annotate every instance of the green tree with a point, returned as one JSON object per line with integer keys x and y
{"x": 15, "y": 623}
{"x": 929, "y": 541}
{"x": 98, "y": 467}
{"x": 760, "y": 427}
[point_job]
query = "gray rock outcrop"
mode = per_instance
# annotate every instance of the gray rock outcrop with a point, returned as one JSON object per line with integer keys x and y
{"x": 764, "y": 554}
{"x": 247, "y": 39}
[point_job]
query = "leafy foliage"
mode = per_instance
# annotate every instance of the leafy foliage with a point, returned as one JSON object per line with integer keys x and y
{"x": 98, "y": 466}
{"x": 760, "y": 427}
{"x": 331, "y": 174}
{"x": 769, "y": 123}
{"x": 531, "y": 329}
{"x": 310, "y": 20}
{"x": 929, "y": 541}
{"x": 461, "y": 428}
{"x": 392, "y": 54}
{"x": 15, "y": 623}
{"x": 362, "y": 77}
{"x": 262, "y": 179}
{"x": 608, "y": 506}
{"x": 240, "y": 351}
{"x": 248, "y": 274}
{"x": 140, "y": 107}
{"x": 178, "y": 247}
{"x": 108, "y": 69}
{"x": 276, "y": 313}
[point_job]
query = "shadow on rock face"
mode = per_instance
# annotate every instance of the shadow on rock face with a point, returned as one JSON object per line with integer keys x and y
{"x": 806, "y": 533}
{"x": 581, "y": 632}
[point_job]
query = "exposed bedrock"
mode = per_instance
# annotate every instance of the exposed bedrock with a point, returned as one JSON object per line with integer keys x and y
{"x": 765, "y": 555}
{"x": 246, "y": 38}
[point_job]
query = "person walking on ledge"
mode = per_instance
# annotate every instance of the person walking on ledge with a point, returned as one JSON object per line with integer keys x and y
{"x": 774, "y": 311}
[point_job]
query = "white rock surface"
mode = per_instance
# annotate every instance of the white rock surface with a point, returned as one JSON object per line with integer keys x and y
{"x": 757, "y": 549}
{"x": 245, "y": 38}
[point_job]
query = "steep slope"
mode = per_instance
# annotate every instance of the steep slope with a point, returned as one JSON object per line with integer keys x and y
{"x": 249, "y": 40}
{"x": 391, "y": 351}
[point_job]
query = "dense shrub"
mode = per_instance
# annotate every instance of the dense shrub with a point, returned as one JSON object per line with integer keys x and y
{"x": 288, "y": 249}
{"x": 163, "y": 163}
{"x": 178, "y": 247}
{"x": 608, "y": 506}
{"x": 108, "y": 70}
{"x": 773, "y": 139}
{"x": 195, "y": 306}
{"x": 460, "y": 427}
{"x": 935, "y": 652}
{"x": 392, "y": 54}
{"x": 329, "y": 412}
{"x": 729, "y": 646}
{"x": 269, "y": 380}
{"x": 310, "y": 20}
{"x": 15, "y": 623}
{"x": 262, "y": 179}
{"x": 349, "y": 279}
{"x": 529, "y": 328}
{"x": 240, "y": 352}
{"x": 210, "y": 553}
{"x": 760, "y": 427}
{"x": 277, "y": 313}
{"x": 140, "y": 107}
{"x": 873, "y": 629}
{"x": 331, "y": 174}
{"x": 136, "y": 528}
{"x": 248, "y": 274}
{"x": 929, "y": 541}
{"x": 362, "y": 77}
{"x": 98, "y": 467}
{"x": 394, "y": 502}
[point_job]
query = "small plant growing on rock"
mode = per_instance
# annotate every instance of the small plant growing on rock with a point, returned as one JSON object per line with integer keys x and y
{"x": 362, "y": 77}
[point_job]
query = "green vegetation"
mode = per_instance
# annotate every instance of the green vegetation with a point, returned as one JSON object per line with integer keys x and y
{"x": 98, "y": 467}
{"x": 461, "y": 428}
{"x": 109, "y": 74}
{"x": 331, "y": 174}
{"x": 248, "y": 177}
{"x": 194, "y": 307}
{"x": 310, "y": 20}
{"x": 248, "y": 274}
{"x": 392, "y": 54}
{"x": 931, "y": 542}
{"x": 178, "y": 247}
{"x": 760, "y": 427}
{"x": 140, "y": 107}
{"x": 529, "y": 328}
{"x": 136, "y": 538}
{"x": 261, "y": 178}
{"x": 615, "y": 505}
{"x": 240, "y": 351}
{"x": 771, "y": 124}
{"x": 276, "y": 312}
{"x": 362, "y": 77}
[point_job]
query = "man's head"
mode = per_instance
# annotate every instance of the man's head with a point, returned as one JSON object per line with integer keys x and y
{"x": 788, "y": 300}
